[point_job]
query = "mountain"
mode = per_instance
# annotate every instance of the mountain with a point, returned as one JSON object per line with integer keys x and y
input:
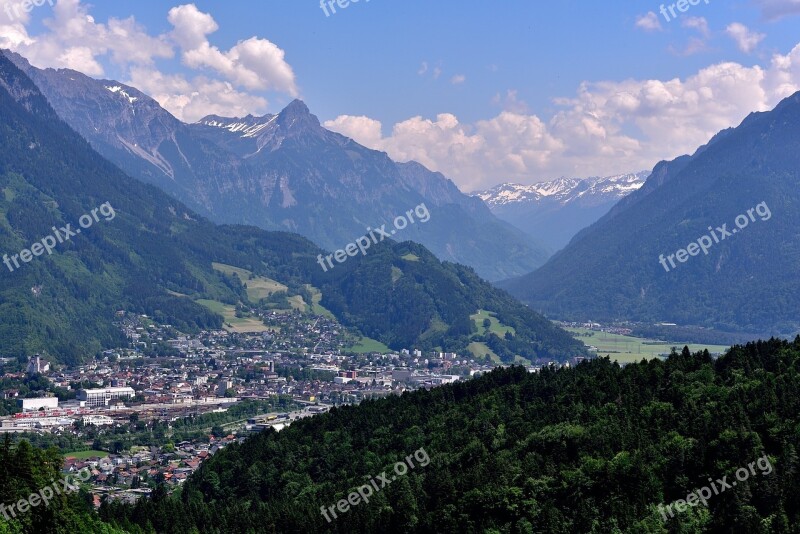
{"x": 329, "y": 188}
{"x": 738, "y": 197}
{"x": 553, "y": 212}
{"x": 518, "y": 452}
{"x": 151, "y": 254}
{"x": 283, "y": 172}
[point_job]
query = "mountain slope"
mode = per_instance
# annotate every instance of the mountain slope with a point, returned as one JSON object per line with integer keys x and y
{"x": 553, "y": 212}
{"x": 282, "y": 172}
{"x": 155, "y": 256}
{"x": 134, "y": 132}
{"x": 329, "y": 188}
{"x": 612, "y": 269}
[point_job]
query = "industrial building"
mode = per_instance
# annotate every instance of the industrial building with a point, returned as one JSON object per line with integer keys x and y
{"x": 103, "y": 396}
{"x": 32, "y": 405}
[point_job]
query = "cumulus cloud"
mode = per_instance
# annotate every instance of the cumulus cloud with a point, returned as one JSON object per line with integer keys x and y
{"x": 648, "y": 22}
{"x": 254, "y": 63}
{"x": 190, "y": 100}
{"x": 13, "y": 18}
{"x": 605, "y": 128}
{"x": 74, "y": 40}
{"x": 222, "y": 81}
{"x": 745, "y": 39}
{"x": 363, "y": 129}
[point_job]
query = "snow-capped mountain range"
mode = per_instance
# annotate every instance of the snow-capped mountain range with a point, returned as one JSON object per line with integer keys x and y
{"x": 553, "y": 212}
{"x": 596, "y": 190}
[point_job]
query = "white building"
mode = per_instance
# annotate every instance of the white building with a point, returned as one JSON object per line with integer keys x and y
{"x": 32, "y": 405}
{"x": 37, "y": 365}
{"x": 37, "y": 423}
{"x": 97, "y": 420}
{"x": 103, "y": 396}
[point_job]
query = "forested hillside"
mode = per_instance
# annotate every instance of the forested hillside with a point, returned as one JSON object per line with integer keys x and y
{"x": 25, "y": 471}
{"x": 596, "y": 449}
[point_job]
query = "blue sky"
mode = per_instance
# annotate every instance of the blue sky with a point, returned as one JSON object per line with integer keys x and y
{"x": 485, "y": 92}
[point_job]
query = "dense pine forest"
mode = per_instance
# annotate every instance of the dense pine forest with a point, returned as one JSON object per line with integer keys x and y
{"x": 596, "y": 448}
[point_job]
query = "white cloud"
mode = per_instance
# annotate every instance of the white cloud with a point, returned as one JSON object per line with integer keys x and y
{"x": 745, "y": 39}
{"x": 14, "y": 36}
{"x": 222, "y": 82}
{"x": 191, "y": 26}
{"x": 510, "y": 102}
{"x": 607, "y": 127}
{"x": 458, "y": 79}
{"x": 254, "y": 63}
{"x": 14, "y": 11}
{"x": 697, "y": 23}
{"x": 191, "y": 100}
{"x": 363, "y": 129}
{"x": 648, "y": 22}
{"x": 423, "y": 68}
{"x": 13, "y": 18}
{"x": 76, "y": 41}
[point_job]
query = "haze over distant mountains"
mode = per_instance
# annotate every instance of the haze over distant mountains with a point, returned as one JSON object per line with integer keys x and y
{"x": 748, "y": 281}
{"x": 283, "y": 172}
{"x": 553, "y": 212}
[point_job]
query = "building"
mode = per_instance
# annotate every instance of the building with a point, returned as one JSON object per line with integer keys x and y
{"x": 103, "y": 396}
{"x": 97, "y": 420}
{"x": 37, "y": 365}
{"x": 36, "y": 423}
{"x": 32, "y": 405}
{"x": 401, "y": 375}
{"x": 223, "y": 386}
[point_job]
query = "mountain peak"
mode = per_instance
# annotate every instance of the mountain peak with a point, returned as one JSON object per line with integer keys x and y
{"x": 297, "y": 106}
{"x": 297, "y": 114}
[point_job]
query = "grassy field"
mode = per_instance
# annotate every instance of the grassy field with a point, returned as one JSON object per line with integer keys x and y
{"x": 479, "y": 350}
{"x": 369, "y": 345}
{"x": 626, "y": 349}
{"x": 82, "y": 455}
{"x": 495, "y": 327}
{"x": 233, "y": 323}
{"x": 316, "y": 298}
{"x": 258, "y": 288}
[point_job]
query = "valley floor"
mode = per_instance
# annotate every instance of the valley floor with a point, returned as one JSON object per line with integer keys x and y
{"x": 627, "y": 349}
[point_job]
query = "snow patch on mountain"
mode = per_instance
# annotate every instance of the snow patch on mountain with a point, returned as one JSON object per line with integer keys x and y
{"x": 118, "y": 89}
{"x": 565, "y": 190}
{"x": 249, "y": 126}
